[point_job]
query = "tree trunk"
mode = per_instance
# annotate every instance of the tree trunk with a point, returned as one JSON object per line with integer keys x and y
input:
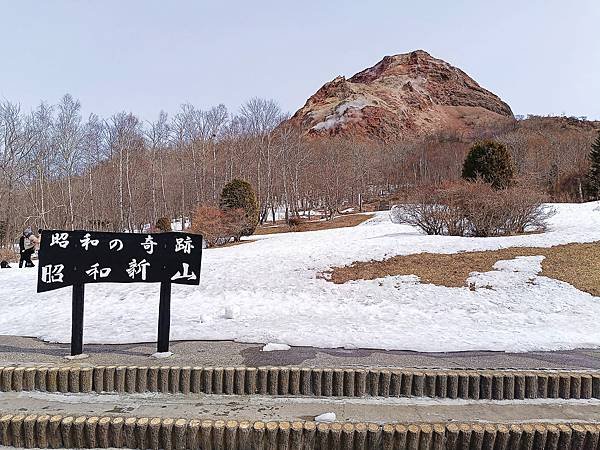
{"x": 71, "y": 212}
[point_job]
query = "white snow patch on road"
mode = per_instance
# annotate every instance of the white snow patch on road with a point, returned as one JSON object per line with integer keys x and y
{"x": 270, "y": 290}
{"x": 326, "y": 417}
{"x": 77, "y": 357}
{"x": 273, "y": 347}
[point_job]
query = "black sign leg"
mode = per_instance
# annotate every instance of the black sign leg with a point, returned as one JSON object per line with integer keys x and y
{"x": 77, "y": 320}
{"x": 164, "y": 317}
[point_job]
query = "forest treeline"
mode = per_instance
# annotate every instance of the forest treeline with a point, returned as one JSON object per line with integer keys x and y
{"x": 61, "y": 170}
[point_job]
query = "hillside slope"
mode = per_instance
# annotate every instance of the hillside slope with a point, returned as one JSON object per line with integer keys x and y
{"x": 401, "y": 95}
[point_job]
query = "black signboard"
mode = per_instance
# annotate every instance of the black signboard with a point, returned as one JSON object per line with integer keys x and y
{"x": 75, "y": 258}
{"x": 68, "y": 258}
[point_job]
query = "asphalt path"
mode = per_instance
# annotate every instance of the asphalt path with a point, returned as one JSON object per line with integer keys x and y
{"x": 29, "y": 351}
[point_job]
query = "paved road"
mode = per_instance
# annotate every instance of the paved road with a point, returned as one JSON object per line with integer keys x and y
{"x": 27, "y": 351}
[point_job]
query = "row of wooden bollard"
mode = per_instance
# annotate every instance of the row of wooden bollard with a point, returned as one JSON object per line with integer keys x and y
{"x": 496, "y": 385}
{"x": 43, "y": 431}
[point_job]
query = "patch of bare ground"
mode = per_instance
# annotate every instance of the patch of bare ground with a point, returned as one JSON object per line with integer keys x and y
{"x": 233, "y": 244}
{"x": 576, "y": 264}
{"x": 343, "y": 221}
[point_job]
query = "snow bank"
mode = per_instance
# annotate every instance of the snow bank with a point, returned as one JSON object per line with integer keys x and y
{"x": 270, "y": 291}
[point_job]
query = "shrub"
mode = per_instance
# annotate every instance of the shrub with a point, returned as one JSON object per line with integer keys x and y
{"x": 238, "y": 194}
{"x": 491, "y": 162}
{"x": 490, "y": 212}
{"x": 429, "y": 210}
{"x": 8, "y": 254}
{"x": 163, "y": 224}
{"x": 294, "y": 222}
{"x": 235, "y": 223}
{"x": 208, "y": 221}
{"x": 474, "y": 209}
{"x": 571, "y": 186}
{"x": 593, "y": 180}
{"x": 218, "y": 226}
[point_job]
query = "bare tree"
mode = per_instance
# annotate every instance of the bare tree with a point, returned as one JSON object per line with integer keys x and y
{"x": 41, "y": 163}
{"x": 124, "y": 139}
{"x": 261, "y": 117}
{"x": 59, "y": 170}
{"x": 67, "y": 137}
{"x": 92, "y": 153}
{"x": 216, "y": 120}
{"x": 158, "y": 138}
{"x": 15, "y": 150}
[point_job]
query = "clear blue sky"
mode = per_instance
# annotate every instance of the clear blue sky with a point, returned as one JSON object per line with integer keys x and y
{"x": 541, "y": 56}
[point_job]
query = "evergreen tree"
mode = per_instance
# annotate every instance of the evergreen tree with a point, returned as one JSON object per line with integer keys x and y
{"x": 238, "y": 194}
{"x": 594, "y": 173}
{"x": 491, "y": 162}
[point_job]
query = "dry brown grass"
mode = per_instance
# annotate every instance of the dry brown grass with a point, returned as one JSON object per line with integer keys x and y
{"x": 347, "y": 220}
{"x": 576, "y": 264}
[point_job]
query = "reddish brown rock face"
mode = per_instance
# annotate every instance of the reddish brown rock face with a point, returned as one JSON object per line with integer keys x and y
{"x": 402, "y": 95}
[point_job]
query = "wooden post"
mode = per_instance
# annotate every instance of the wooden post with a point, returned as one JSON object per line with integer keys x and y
{"x": 77, "y": 320}
{"x": 164, "y": 317}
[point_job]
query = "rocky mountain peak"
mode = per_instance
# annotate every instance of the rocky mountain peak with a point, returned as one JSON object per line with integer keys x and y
{"x": 401, "y": 95}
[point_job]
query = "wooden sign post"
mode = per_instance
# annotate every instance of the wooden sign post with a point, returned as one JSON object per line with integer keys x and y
{"x": 77, "y": 320}
{"x": 164, "y": 318}
{"x": 76, "y": 258}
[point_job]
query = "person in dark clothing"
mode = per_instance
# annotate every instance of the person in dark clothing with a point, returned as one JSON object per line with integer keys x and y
{"x": 27, "y": 244}
{"x": 22, "y": 251}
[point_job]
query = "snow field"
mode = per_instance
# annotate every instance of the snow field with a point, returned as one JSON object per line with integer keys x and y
{"x": 270, "y": 291}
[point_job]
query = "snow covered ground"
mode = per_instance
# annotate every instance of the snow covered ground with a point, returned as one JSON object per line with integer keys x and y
{"x": 269, "y": 291}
